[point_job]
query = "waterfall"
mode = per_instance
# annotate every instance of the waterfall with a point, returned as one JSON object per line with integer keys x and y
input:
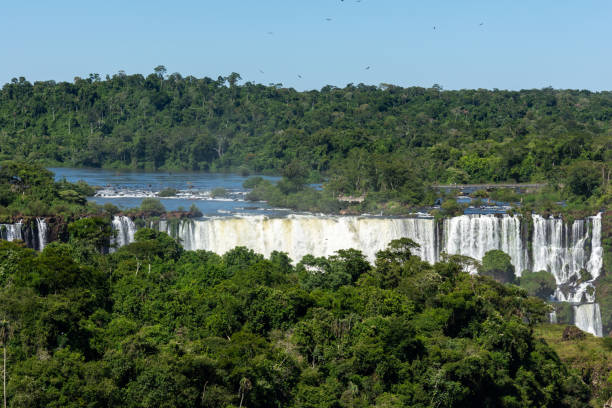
{"x": 595, "y": 263}
{"x": 298, "y": 235}
{"x": 11, "y": 232}
{"x": 584, "y": 292}
{"x": 125, "y": 228}
{"x": 562, "y": 250}
{"x": 555, "y": 246}
{"x": 473, "y": 235}
{"x": 41, "y": 225}
{"x": 587, "y": 317}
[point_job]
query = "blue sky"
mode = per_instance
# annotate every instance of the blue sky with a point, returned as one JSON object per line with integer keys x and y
{"x": 520, "y": 44}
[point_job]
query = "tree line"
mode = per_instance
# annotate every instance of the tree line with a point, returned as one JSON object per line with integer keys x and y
{"x": 384, "y": 140}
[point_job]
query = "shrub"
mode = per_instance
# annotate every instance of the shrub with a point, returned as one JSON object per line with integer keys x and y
{"x": 497, "y": 265}
{"x": 111, "y": 208}
{"x": 152, "y": 205}
{"x": 37, "y": 208}
{"x": 218, "y": 192}
{"x": 252, "y": 182}
{"x": 541, "y": 284}
{"x": 167, "y": 192}
{"x": 194, "y": 211}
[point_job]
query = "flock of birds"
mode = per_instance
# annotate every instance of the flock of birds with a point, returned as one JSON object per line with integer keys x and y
{"x": 330, "y": 19}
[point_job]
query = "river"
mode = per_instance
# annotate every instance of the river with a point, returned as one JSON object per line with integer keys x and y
{"x": 126, "y": 189}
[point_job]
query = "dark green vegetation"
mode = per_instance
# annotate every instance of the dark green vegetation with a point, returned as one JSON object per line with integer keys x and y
{"x": 388, "y": 141}
{"x": 541, "y": 284}
{"x": 153, "y": 325}
{"x": 30, "y": 190}
{"x": 604, "y": 283}
{"x": 498, "y": 266}
{"x": 589, "y": 355}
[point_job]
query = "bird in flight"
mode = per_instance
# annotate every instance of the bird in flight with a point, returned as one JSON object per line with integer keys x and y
{"x": 270, "y": 32}
{"x": 481, "y": 24}
{"x": 299, "y": 76}
{"x": 328, "y": 19}
{"x": 261, "y": 71}
{"x": 434, "y": 27}
{"x": 368, "y": 67}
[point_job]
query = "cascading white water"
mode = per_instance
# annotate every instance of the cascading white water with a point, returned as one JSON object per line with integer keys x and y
{"x": 298, "y": 235}
{"x": 561, "y": 253}
{"x": 476, "y": 234}
{"x": 587, "y": 317}
{"x": 41, "y": 226}
{"x": 595, "y": 263}
{"x": 125, "y": 228}
{"x": 583, "y": 292}
{"x": 11, "y": 232}
{"x": 562, "y": 250}
{"x": 556, "y": 247}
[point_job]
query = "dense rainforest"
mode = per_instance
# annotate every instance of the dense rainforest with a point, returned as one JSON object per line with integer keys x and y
{"x": 387, "y": 141}
{"x": 154, "y": 325}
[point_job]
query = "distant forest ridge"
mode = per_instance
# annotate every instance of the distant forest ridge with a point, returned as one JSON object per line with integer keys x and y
{"x": 363, "y": 138}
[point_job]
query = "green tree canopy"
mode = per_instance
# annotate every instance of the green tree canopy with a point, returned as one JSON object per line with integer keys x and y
{"x": 497, "y": 265}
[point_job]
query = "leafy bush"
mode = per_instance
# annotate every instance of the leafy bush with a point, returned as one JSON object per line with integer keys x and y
{"x": 219, "y": 192}
{"x": 252, "y": 182}
{"x": 152, "y": 205}
{"x": 541, "y": 284}
{"x": 194, "y": 211}
{"x": 167, "y": 192}
{"x": 497, "y": 265}
{"x": 111, "y": 209}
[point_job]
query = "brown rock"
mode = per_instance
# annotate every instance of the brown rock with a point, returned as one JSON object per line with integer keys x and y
{"x": 573, "y": 333}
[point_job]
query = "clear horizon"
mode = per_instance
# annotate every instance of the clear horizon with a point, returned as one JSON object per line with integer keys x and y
{"x": 307, "y": 45}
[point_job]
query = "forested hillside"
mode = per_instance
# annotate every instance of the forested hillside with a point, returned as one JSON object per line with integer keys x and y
{"x": 153, "y": 325}
{"x": 364, "y": 138}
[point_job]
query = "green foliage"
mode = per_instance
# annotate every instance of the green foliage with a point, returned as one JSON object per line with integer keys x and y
{"x": 152, "y": 206}
{"x": 153, "y": 325}
{"x": 111, "y": 209}
{"x": 28, "y": 189}
{"x": 384, "y": 140}
{"x": 92, "y": 231}
{"x": 583, "y": 178}
{"x": 505, "y": 195}
{"x": 541, "y": 284}
{"x": 286, "y": 194}
{"x": 497, "y": 264}
{"x": 218, "y": 192}
{"x": 194, "y": 211}
{"x": 451, "y": 208}
{"x": 167, "y": 192}
{"x": 252, "y": 182}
